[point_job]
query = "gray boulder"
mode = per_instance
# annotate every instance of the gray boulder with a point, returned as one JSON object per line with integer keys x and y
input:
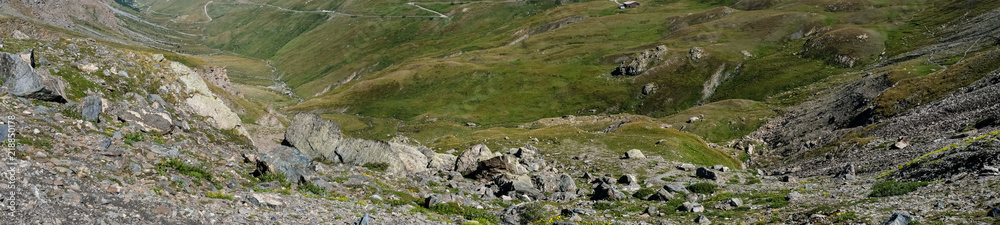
{"x": 286, "y": 160}
{"x": 441, "y": 161}
{"x": 20, "y": 79}
{"x": 706, "y": 174}
{"x": 365, "y": 220}
{"x": 898, "y": 218}
{"x": 165, "y": 150}
{"x": 676, "y": 188}
{"x": 468, "y": 160}
{"x": 546, "y": 183}
{"x": 566, "y": 183}
{"x": 4, "y": 132}
{"x": 702, "y": 220}
{"x": 847, "y": 173}
{"x": 19, "y": 35}
{"x": 400, "y": 157}
{"x": 265, "y": 200}
{"x": 661, "y": 195}
{"x": 512, "y": 185}
{"x": 634, "y": 154}
{"x": 606, "y": 191}
{"x": 316, "y": 137}
{"x": 563, "y": 197}
{"x": 312, "y": 135}
{"x": 92, "y": 107}
{"x": 145, "y": 120}
{"x": 498, "y": 165}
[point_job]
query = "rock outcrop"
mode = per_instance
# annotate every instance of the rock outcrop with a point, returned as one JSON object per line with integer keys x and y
{"x": 219, "y": 76}
{"x": 641, "y": 62}
{"x": 202, "y": 101}
{"x": 316, "y": 137}
{"x": 20, "y": 79}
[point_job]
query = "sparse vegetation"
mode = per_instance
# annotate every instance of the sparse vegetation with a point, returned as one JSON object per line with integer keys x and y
{"x": 379, "y": 167}
{"x": 894, "y": 188}
{"x": 219, "y": 195}
{"x": 280, "y": 177}
{"x": 184, "y": 168}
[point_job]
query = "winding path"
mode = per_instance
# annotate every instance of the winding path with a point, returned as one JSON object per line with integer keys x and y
{"x": 206, "y": 11}
{"x": 426, "y": 9}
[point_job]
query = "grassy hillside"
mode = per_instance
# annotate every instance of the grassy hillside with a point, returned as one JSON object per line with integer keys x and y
{"x": 386, "y": 68}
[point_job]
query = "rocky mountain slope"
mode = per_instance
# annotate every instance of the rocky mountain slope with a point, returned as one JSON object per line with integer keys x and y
{"x": 505, "y": 112}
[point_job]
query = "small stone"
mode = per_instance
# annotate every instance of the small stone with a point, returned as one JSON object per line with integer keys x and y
{"x": 364, "y": 220}
{"x": 735, "y": 202}
{"x": 652, "y": 211}
{"x": 794, "y": 196}
{"x": 676, "y": 188}
{"x": 898, "y": 218}
{"x": 265, "y": 200}
{"x": 161, "y": 210}
{"x": 702, "y": 220}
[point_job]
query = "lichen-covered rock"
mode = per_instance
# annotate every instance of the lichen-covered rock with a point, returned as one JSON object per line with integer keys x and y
{"x": 20, "y": 79}
{"x": 202, "y": 101}
{"x": 286, "y": 160}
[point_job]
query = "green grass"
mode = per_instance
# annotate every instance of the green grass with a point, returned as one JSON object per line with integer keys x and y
{"x": 468, "y": 213}
{"x": 702, "y": 188}
{"x": 184, "y": 168}
{"x": 895, "y": 188}
{"x": 134, "y": 137}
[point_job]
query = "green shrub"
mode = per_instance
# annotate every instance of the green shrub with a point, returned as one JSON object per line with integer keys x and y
{"x": 643, "y": 193}
{"x": 894, "y": 188}
{"x": 601, "y": 206}
{"x": 702, "y": 188}
{"x": 534, "y": 212}
{"x": 219, "y": 195}
{"x": 312, "y": 188}
{"x": 184, "y": 168}
{"x": 71, "y": 113}
{"x": 134, "y": 137}
{"x": 380, "y": 167}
